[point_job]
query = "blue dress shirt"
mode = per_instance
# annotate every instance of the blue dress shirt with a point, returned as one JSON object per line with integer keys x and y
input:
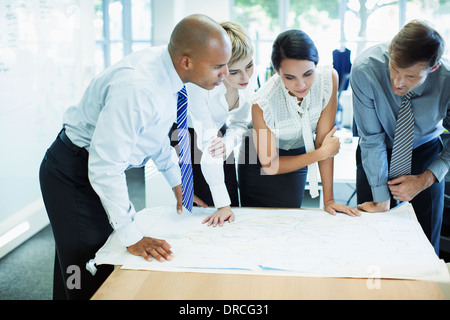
{"x": 123, "y": 120}
{"x": 376, "y": 110}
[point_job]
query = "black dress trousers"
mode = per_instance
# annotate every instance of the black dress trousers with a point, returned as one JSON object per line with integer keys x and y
{"x": 258, "y": 189}
{"x": 79, "y": 222}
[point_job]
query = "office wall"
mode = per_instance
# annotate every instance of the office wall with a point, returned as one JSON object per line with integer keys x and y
{"x": 46, "y": 60}
{"x": 167, "y": 13}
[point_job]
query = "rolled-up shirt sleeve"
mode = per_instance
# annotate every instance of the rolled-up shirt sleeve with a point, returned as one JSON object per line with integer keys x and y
{"x": 372, "y": 142}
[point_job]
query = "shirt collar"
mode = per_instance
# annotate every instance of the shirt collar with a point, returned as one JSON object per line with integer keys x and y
{"x": 419, "y": 90}
{"x": 177, "y": 83}
{"x": 293, "y": 100}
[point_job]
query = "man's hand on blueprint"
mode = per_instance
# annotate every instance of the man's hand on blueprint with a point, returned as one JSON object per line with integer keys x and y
{"x": 178, "y": 195}
{"x": 157, "y": 248}
{"x": 374, "y": 206}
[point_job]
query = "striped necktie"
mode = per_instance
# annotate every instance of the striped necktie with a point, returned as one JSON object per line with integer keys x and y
{"x": 187, "y": 183}
{"x": 403, "y": 140}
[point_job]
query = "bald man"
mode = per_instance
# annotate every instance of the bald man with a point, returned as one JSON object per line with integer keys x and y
{"x": 122, "y": 121}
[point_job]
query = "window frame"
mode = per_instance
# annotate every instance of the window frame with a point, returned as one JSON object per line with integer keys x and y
{"x": 127, "y": 40}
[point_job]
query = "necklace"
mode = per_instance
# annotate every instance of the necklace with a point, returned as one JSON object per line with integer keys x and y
{"x": 235, "y": 105}
{"x": 232, "y": 95}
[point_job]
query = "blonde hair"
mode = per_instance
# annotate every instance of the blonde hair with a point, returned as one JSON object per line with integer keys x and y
{"x": 240, "y": 41}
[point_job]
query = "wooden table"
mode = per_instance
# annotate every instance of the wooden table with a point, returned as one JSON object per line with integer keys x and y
{"x": 162, "y": 285}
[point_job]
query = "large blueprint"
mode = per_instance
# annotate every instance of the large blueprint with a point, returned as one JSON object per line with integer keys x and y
{"x": 278, "y": 241}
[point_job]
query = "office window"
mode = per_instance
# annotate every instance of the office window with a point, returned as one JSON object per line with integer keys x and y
{"x": 265, "y": 19}
{"x": 121, "y": 27}
{"x": 369, "y": 22}
{"x": 332, "y": 24}
{"x": 261, "y": 20}
{"x": 436, "y": 13}
{"x": 335, "y": 24}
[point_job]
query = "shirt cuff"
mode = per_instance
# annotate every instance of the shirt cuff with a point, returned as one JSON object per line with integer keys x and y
{"x": 129, "y": 234}
{"x": 380, "y": 193}
{"x": 173, "y": 176}
{"x": 439, "y": 169}
{"x": 220, "y": 195}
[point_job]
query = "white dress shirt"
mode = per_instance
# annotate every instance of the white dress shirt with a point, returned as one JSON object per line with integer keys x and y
{"x": 208, "y": 112}
{"x": 123, "y": 120}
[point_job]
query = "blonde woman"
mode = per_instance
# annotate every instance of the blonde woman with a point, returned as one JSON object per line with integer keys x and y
{"x": 217, "y": 120}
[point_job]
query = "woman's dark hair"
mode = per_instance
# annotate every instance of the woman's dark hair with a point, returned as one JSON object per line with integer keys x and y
{"x": 416, "y": 42}
{"x": 293, "y": 44}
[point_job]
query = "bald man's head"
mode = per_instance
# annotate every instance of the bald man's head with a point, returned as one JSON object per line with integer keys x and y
{"x": 195, "y": 33}
{"x": 199, "y": 47}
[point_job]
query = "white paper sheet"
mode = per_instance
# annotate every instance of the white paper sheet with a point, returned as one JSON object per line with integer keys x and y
{"x": 297, "y": 242}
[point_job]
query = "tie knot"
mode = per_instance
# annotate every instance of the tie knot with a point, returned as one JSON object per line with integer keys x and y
{"x": 182, "y": 102}
{"x": 183, "y": 92}
{"x": 409, "y": 95}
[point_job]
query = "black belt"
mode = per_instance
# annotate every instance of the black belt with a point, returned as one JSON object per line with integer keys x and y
{"x": 76, "y": 149}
